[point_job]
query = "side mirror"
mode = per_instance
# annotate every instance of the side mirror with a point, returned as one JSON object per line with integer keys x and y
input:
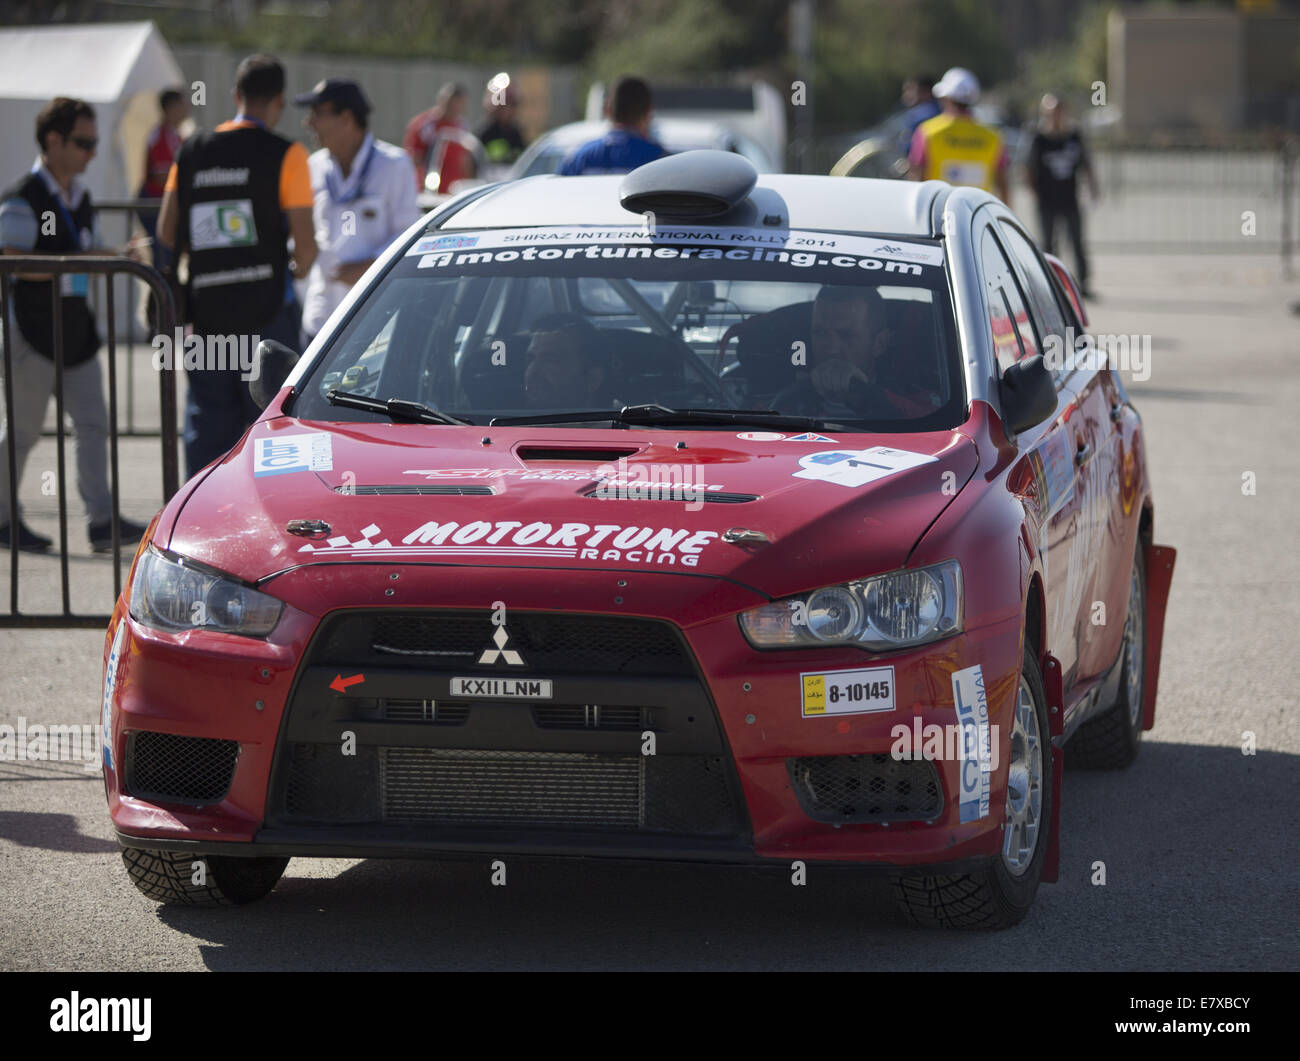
{"x": 1028, "y": 394}
{"x": 273, "y": 361}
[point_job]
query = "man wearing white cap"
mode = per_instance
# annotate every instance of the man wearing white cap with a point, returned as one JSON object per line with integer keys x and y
{"x": 955, "y": 147}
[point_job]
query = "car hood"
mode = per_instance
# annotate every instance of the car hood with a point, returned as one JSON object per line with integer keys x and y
{"x": 776, "y": 511}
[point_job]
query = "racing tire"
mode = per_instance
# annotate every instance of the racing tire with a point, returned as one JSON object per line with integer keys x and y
{"x": 1001, "y": 894}
{"x": 168, "y": 877}
{"x": 1112, "y": 740}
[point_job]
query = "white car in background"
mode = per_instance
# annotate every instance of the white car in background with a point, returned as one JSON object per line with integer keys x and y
{"x": 754, "y": 109}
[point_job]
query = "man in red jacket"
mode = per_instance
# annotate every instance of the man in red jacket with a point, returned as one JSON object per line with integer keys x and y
{"x": 437, "y": 140}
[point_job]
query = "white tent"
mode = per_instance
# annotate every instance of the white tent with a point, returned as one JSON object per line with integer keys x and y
{"x": 119, "y": 68}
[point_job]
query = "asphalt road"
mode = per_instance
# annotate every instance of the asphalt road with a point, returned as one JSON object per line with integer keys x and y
{"x": 1201, "y": 844}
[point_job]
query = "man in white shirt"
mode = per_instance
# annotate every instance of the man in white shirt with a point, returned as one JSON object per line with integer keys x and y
{"x": 363, "y": 193}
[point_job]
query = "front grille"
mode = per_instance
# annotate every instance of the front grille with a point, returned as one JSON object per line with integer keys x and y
{"x": 170, "y": 767}
{"x": 548, "y": 643}
{"x": 592, "y": 716}
{"x": 432, "y": 711}
{"x": 866, "y": 788}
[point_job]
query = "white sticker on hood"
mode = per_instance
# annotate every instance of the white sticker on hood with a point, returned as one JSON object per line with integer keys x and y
{"x": 857, "y": 467}
{"x": 293, "y": 453}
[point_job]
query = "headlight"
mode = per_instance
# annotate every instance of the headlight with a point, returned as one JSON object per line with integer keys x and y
{"x": 170, "y": 593}
{"x": 898, "y": 610}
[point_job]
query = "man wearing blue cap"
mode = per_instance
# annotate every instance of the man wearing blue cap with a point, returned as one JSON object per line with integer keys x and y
{"x": 363, "y": 196}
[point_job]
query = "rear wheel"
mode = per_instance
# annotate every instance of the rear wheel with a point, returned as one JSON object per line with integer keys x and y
{"x": 185, "y": 879}
{"x": 1111, "y": 741}
{"x": 1000, "y": 895}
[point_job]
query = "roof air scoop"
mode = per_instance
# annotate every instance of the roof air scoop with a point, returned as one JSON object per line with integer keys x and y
{"x": 693, "y": 184}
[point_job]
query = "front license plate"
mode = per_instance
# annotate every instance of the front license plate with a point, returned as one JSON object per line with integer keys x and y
{"x": 502, "y": 688}
{"x": 848, "y": 692}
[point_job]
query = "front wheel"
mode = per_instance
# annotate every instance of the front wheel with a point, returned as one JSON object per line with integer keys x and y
{"x": 1000, "y": 895}
{"x": 184, "y": 879}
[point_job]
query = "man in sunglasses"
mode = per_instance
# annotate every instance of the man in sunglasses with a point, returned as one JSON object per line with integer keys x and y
{"x": 49, "y": 212}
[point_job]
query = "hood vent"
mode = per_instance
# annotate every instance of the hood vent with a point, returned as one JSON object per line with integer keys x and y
{"x": 641, "y": 491}
{"x": 570, "y": 453}
{"x": 442, "y": 489}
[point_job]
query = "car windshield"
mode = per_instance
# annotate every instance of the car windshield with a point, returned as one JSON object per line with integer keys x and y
{"x": 717, "y": 326}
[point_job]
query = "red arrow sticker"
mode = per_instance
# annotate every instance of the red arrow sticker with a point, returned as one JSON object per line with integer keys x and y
{"x": 340, "y": 684}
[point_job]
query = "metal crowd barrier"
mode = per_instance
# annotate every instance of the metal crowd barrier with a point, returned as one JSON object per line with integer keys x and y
{"x": 164, "y": 322}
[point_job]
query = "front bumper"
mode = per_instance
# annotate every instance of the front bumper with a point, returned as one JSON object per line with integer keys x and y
{"x": 726, "y": 728}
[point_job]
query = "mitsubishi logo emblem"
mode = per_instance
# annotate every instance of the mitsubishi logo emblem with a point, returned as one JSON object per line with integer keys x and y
{"x": 491, "y": 655}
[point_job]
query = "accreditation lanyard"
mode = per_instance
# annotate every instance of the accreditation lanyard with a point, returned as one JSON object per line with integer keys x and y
{"x": 335, "y": 188}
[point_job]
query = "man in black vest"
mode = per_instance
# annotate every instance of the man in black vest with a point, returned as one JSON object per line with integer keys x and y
{"x": 231, "y": 200}
{"x": 49, "y": 212}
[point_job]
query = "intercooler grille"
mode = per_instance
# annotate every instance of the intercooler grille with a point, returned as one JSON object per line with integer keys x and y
{"x": 189, "y": 769}
{"x": 866, "y": 788}
{"x": 513, "y": 788}
{"x": 686, "y": 794}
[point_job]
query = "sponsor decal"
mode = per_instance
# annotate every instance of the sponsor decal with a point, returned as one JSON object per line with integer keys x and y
{"x": 848, "y": 692}
{"x": 972, "y": 706}
{"x": 846, "y": 467}
{"x": 760, "y": 436}
{"x": 809, "y": 436}
{"x": 280, "y": 454}
{"x": 1058, "y": 470}
{"x": 502, "y": 688}
{"x": 658, "y": 546}
{"x": 110, "y": 686}
{"x": 500, "y": 639}
{"x": 442, "y": 243}
{"x": 224, "y": 224}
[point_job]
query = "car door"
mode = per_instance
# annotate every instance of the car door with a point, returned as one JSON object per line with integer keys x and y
{"x": 1098, "y": 457}
{"x": 1049, "y": 481}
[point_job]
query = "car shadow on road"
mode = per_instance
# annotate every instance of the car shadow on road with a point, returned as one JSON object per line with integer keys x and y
{"x": 51, "y": 832}
{"x": 1198, "y": 846}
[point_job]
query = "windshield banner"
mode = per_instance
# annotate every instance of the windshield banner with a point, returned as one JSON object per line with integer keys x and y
{"x": 544, "y": 244}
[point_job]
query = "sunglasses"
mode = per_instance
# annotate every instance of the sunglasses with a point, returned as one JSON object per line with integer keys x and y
{"x": 86, "y": 143}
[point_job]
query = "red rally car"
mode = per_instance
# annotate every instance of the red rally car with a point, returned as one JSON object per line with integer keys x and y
{"x": 682, "y": 515}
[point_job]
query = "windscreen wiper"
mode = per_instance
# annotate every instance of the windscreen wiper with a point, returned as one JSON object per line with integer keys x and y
{"x": 398, "y": 409}
{"x": 655, "y": 415}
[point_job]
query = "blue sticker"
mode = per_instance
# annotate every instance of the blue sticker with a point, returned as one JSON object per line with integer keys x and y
{"x": 809, "y": 436}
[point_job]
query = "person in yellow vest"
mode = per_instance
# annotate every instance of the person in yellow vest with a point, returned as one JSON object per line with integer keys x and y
{"x": 955, "y": 147}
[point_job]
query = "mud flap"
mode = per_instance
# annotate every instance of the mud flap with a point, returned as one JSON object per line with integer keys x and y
{"x": 1052, "y": 680}
{"x": 1160, "y": 573}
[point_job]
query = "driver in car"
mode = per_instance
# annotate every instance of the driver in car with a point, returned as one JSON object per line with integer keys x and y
{"x": 852, "y": 363}
{"x": 565, "y": 367}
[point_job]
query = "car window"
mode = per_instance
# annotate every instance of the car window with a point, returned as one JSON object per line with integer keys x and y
{"x": 1042, "y": 296}
{"x": 1013, "y": 333}
{"x": 851, "y": 330}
